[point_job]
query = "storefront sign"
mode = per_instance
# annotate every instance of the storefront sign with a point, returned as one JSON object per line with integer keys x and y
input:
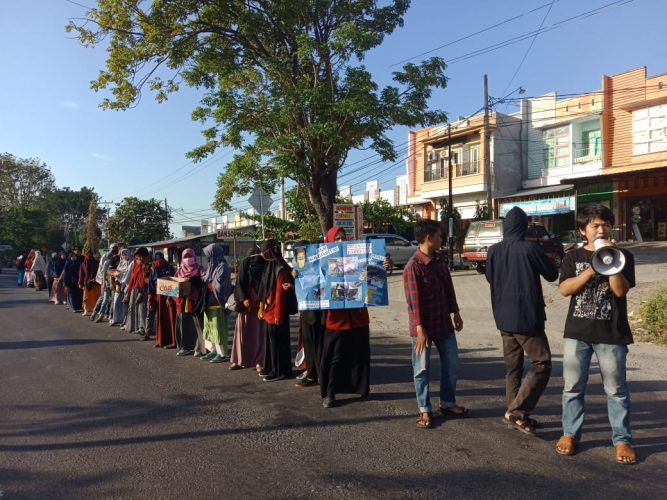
{"x": 549, "y": 206}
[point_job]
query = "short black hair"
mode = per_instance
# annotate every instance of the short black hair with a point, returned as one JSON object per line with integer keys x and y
{"x": 426, "y": 227}
{"x": 595, "y": 211}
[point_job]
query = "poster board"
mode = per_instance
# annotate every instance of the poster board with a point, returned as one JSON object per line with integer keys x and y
{"x": 341, "y": 275}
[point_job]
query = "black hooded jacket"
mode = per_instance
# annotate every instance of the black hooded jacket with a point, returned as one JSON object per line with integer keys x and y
{"x": 513, "y": 269}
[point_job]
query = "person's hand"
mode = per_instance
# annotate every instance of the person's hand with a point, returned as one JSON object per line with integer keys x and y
{"x": 295, "y": 273}
{"x": 422, "y": 340}
{"x": 288, "y": 286}
{"x": 278, "y": 322}
{"x": 246, "y": 304}
{"x": 458, "y": 322}
{"x": 386, "y": 263}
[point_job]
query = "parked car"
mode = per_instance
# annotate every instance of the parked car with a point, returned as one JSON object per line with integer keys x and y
{"x": 482, "y": 234}
{"x": 399, "y": 250}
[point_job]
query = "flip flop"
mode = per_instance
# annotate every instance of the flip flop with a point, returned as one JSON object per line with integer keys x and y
{"x": 566, "y": 446}
{"x": 449, "y": 412}
{"x": 520, "y": 425}
{"x": 624, "y": 450}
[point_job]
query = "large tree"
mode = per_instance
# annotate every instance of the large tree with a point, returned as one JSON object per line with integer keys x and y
{"x": 23, "y": 181}
{"x": 380, "y": 214}
{"x": 284, "y": 82}
{"x": 138, "y": 221}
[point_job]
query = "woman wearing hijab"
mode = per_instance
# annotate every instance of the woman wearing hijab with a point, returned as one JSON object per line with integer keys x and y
{"x": 249, "y": 344}
{"x": 38, "y": 269}
{"x": 90, "y": 287}
{"x": 161, "y": 315}
{"x": 70, "y": 278}
{"x": 218, "y": 289}
{"x": 28, "y": 279}
{"x": 275, "y": 294}
{"x": 20, "y": 267}
{"x": 346, "y": 354}
{"x": 137, "y": 289}
{"x": 58, "y": 295}
{"x": 118, "y": 279}
{"x": 107, "y": 281}
{"x": 188, "y": 323}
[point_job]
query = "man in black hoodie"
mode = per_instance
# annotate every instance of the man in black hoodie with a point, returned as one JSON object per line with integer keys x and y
{"x": 513, "y": 269}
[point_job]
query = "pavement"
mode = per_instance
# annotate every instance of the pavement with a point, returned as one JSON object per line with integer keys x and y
{"x": 89, "y": 411}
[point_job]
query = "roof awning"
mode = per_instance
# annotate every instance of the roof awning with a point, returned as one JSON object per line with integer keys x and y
{"x": 558, "y": 188}
{"x": 613, "y": 171}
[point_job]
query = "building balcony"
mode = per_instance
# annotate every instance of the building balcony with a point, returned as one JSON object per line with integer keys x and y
{"x": 586, "y": 155}
{"x": 438, "y": 172}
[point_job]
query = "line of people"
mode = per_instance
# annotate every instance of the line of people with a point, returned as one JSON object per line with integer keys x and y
{"x": 336, "y": 343}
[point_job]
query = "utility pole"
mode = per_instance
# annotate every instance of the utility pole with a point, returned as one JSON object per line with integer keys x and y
{"x": 487, "y": 146}
{"x": 166, "y": 216}
{"x": 450, "y": 204}
{"x": 282, "y": 211}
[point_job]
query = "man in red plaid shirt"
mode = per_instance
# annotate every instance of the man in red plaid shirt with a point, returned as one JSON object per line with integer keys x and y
{"x": 431, "y": 299}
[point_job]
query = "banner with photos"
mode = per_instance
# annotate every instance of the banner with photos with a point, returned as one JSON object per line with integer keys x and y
{"x": 342, "y": 275}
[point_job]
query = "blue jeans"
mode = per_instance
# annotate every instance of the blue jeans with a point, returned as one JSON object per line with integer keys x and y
{"x": 449, "y": 371}
{"x": 576, "y": 364}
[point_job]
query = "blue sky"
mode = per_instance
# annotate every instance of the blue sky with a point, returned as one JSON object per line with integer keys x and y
{"x": 48, "y": 111}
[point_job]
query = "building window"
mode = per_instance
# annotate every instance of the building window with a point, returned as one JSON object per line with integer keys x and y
{"x": 649, "y": 130}
{"x": 471, "y": 166}
{"x": 436, "y": 165}
{"x": 556, "y": 147}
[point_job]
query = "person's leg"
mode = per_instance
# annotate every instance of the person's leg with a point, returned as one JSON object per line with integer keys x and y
{"x": 533, "y": 385}
{"x": 576, "y": 365}
{"x": 513, "y": 357}
{"x": 420, "y": 372}
{"x": 283, "y": 351}
{"x": 448, "y": 350}
{"x": 309, "y": 350}
{"x": 612, "y": 361}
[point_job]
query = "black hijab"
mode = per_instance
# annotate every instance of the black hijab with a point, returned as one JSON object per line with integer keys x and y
{"x": 274, "y": 264}
{"x": 249, "y": 276}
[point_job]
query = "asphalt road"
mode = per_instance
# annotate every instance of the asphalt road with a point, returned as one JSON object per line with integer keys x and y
{"x": 89, "y": 411}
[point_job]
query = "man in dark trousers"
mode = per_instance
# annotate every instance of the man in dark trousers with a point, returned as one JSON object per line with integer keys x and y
{"x": 513, "y": 269}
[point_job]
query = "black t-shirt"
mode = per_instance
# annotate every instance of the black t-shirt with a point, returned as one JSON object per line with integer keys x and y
{"x": 596, "y": 315}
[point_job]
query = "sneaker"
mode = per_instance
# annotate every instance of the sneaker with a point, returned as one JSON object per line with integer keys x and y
{"x": 199, "y": 354}
{"x": 85, "y": 313}
{"x": 93, "y": 317}
{"x": 219, "y": 359}
{"x": 302, "y": 375}
{"x": 306, "y": 382}
{"x": 145, "y": 337}
{"x": 274, "y": 378}
{"x": 209, "y": 356}
{"x": 263, "y": 373}
{"x": 329, "y": 402}
{"x": 185, "y": 352}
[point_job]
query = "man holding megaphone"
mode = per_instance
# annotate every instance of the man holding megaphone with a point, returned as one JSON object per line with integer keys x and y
{"x": 597, "y": 277}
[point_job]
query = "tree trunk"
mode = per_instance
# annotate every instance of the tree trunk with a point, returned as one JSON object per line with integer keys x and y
{"x": 322, "y": 191}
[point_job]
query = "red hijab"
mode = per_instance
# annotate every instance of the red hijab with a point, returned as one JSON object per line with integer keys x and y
{"x": 330, "y": 237}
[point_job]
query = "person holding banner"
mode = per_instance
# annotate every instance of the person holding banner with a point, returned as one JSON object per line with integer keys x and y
{"x": 346, "y": 353}
{"x": 429, "y": 293}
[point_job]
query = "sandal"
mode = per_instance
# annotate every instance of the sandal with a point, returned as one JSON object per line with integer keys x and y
{"x": 424, "y": 420}
{"x": 454, "y": 411}
{"x": 625, "y": 455}
{"x": 520, "y": 425}
{"x": 566, "y": 446}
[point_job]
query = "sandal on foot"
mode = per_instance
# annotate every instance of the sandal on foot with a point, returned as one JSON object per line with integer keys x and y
{"x": 625, "y": 455}
{"x": 520, "y": 425}
{"x": 566, "y": 446}
{"x": 454, "y": 411}
{"x": 425, "y": 420}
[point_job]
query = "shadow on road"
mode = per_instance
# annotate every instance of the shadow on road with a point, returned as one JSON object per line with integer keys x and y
{"x": 37, "y": 344}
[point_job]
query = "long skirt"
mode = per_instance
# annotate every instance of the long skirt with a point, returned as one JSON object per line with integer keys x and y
{"x": 249, "y": 340}
{"x": 58, "y": 292}
{"x": 215, "y": 327}
{"x": 165, "y": 321}
{"x": 118, "y": 308}
{"x": 40, "y": 281}
{"x": 279, "y": 362}
{"x": 313, "y": 337}
{"x": 188, "y": 329}
{"x": 90, "y": 295}
{"x": 346, "y": 362}
{"x": 136, "y": 311}
{"x": 74, "y": 299}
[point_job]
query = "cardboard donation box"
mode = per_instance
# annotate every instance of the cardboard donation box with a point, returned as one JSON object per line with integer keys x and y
{"x": 173, "y": 287}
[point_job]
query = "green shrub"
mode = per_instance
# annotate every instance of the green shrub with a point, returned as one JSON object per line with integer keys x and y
{"x": 653, "y": 314}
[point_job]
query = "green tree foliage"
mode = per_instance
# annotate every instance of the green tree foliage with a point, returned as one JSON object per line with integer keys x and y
{"x": 23, "y": 181}
{"x": 302, "y": 212}
{"x": 274, "y": 227}
{"x": 24, "y": 227}
{"x": 138, "y": 221}
{"x": 93, "y": 232}
{"x": 69, "y": 212}
{"x": 284, "y": 82}
{"x": 380, "y": 214}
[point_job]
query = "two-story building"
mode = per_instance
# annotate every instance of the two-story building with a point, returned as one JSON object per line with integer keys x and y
{"x": 428, "y": 163}
{"x": 633, "y": 180}
{"x": 561, "y": 138}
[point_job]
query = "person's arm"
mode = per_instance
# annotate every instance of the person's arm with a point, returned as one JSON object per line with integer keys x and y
{"x": 570, "y": 282}
{"x": 412, "y": 287}
{"x": 621, "y": 283}
{"x": 281, "y": 296}
{"x": 451, "y": 299}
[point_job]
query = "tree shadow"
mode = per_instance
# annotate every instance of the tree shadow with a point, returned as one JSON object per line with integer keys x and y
{"x": 38, "y": 344}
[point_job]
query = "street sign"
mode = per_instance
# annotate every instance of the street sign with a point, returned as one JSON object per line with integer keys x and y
{"x": 344, "y": 216}
{"x": 260, "y": 201}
